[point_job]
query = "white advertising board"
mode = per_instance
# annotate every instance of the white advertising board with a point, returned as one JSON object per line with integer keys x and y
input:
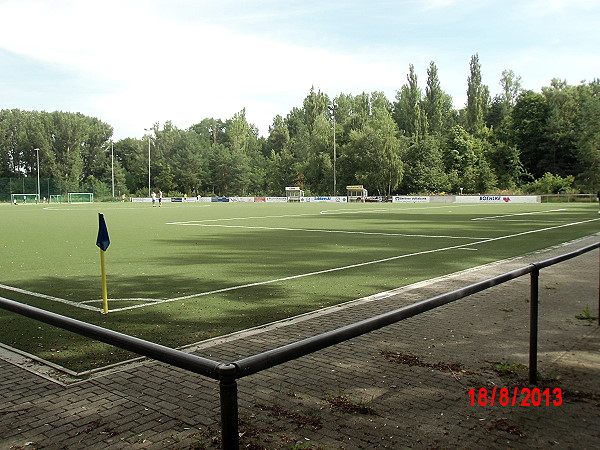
{"x": 410, "y": 199}
{"x": 324, "y": 199}
{"x": 497, "y": 199}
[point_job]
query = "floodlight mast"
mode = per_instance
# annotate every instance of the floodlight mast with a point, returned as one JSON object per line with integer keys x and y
{"x": 112, "y": 166}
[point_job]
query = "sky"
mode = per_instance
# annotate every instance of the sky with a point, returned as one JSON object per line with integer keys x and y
{"x": 135, "y": 63}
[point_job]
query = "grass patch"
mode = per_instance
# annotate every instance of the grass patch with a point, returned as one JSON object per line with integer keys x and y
{"x": 227, "y": 267}
{"x": 511, "y": 370}
{"x": 586, "y": 315}
{"x": 519, "y": 374}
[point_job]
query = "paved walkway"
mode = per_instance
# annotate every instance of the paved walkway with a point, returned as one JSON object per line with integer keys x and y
{"x": 405, "y": 386}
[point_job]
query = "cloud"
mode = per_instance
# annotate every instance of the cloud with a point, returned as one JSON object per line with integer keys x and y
{"x": 146, "y": 61}
{"x": 438, "y": 4}
{"x": 551, "y": 7}
{"x": 152, "y": 68}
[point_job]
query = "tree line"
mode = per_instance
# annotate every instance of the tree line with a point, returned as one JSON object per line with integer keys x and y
{"x": 517, "y": 141}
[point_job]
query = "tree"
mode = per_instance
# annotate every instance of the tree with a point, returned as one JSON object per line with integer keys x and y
{"x": 132, "y": 154}
{"x": 506, "y": 161}
{"x": 528, "y": 131}
{"x": 190, "y": 162}
{"x": 502, "y": 105}
{"x": 550, "y": 184}
{"x": 436, "y": 103}
{"x": 588, "y": 142}
{"x": 477, "y": 98}
{"x": 511, "y": 87}
{"x": 517, "y": 137}
{"x": 239, "y": 132}
{"x": 425, "y": 171}
{"x": 315, "y": 105}
{"x": 224, "y": 170}
{"x": 407, "y": 109}
{"x": 374, "y": 154}
{"x": 211, "y": 130}
{"x": 281, "y": 172}
{"x": 279, "y": 136}
{"x": 320, "y": 149}
{"x": 564, "y": 104}
{"x": 14, "y": 156}
{"x": 318, "y": 173}
{"x": 467, "y": 162}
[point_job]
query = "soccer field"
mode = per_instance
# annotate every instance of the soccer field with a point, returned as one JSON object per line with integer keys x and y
{"x": 187, "y": 272}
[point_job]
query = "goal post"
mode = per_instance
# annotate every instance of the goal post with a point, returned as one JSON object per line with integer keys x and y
{"x": 80, "y": 197}
{"x": 16, "y": 199}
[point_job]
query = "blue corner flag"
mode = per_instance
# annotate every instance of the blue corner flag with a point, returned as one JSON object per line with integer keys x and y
{"x": 102, "y": 241}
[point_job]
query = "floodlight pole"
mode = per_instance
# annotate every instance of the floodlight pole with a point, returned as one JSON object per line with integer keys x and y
{"x": 37, "y": 150}
{"x": 112, "y": 166}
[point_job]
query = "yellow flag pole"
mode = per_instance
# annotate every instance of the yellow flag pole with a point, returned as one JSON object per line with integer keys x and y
{"x": 104, "y": 290}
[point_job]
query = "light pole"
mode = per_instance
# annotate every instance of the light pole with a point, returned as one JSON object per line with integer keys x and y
{"x": 112, "y": 166}
{"x": 37, "y": 150}
{"x": 332, "y": 108}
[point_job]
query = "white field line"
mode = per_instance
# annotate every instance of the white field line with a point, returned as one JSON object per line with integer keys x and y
{"x": 331, "y": 212}
{"x": 527, "y": 220}
{"x": 260, "y": 283}
{"x": 48, "y": 297}
{"x": 103, "y": 208}
{"x": 195, "y": 223}
{"x": 133, "y": 299}
{"x": 352, "y": 266}
{"x": 407, "y": 208}
{"x": 518, "y": 214}
{"x": 226, "y": 219}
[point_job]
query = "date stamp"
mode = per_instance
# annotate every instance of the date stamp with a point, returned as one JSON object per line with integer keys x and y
{"x": 515, "y": 396}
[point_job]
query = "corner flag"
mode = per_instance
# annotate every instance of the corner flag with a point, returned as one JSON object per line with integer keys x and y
{"x": 102, "y": 241}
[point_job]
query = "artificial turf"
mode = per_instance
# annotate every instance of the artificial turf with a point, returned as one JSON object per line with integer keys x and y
{"x": 222, "y": 267}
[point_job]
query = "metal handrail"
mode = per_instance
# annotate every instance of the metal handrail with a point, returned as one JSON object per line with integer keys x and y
{"x": 187, "y": 361}
{"x": 274, "y": 357}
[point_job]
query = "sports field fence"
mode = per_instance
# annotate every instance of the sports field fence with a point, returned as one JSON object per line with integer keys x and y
{"x": 52, "y": 187}
{"x": 568, "y": 198}
{"x": 228, "y": 373}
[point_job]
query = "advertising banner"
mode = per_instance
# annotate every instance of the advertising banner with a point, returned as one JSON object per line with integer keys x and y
{"x": 410, "y": 199}
{"x": 324, "y": 199}
{"x": 497, "y": 199}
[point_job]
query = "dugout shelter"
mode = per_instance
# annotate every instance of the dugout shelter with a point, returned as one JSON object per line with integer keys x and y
{"x": 294, "y": 193}
{"x": 356, "y": 193}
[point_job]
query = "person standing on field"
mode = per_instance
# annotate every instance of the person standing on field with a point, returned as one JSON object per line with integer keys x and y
{"x": 153, "y": 199}
{"x": 159, "y": 198}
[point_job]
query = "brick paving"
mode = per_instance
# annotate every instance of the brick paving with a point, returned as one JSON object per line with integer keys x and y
{"x": 404, "y": 386}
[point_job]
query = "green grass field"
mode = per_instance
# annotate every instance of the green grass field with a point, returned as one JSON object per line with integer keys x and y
{"x": 187, "y": 272}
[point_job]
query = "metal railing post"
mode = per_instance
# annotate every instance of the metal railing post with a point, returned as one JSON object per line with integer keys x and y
{"x": 533, "y": 323}
{"x": 229, "y": 406}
